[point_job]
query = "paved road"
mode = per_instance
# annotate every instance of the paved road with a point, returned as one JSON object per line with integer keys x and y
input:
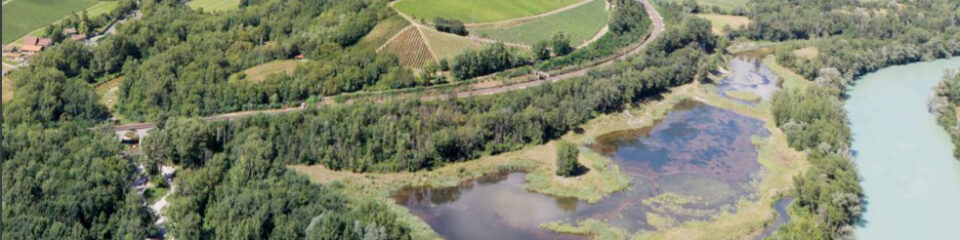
{"x": 651, "y": 11}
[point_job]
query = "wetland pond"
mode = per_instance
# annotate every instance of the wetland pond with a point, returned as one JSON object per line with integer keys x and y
{"x": 748, "y": 75}
{"x": 696, "y": 162}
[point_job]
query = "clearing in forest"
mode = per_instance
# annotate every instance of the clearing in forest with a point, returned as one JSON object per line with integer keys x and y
{"x": 108, "y": 92}
{"x": 260, "y": 72}
{"x": 7, "y": 89}
{"x": 447, "y": 45}
{"x": 382, "y": 32}
{"x": 214, "y": 5}
{"x": 23, "y": 16}
{"x": 807, "y": 52}
{"x": 410, "y": 47}
{"x": 476, "y": 11}
{"x": 726, "y": 5}
{"x": 718, "y": 21}
{"x": 580, "y": 23}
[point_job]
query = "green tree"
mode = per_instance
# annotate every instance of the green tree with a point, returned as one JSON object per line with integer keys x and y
{"x": 567, "y": 165}
{"x": 542, "y": 50}
{"x": 561, "y": 44}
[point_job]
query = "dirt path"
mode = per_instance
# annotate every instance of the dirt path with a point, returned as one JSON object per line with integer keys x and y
{"x": 655, "y": 32}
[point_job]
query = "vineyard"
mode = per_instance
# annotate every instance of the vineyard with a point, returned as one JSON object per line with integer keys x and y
{"x": 446, "y": 45}
{"x": 410, "y": 47}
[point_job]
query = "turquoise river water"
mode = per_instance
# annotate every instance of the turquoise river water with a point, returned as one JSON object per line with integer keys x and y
{"x": 909, "y": 175}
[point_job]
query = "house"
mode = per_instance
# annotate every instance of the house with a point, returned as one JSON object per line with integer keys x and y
{"x": 31, "y": 48}
{"x": 44, "y": 42}
{"x": 78, "y": 37}
{"x": 69, "y": 31}
{"x": 30, "y": 40}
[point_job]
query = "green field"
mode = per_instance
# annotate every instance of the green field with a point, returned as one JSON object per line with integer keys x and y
{"x": 260, "y": 72}
{"x": 476, "y": 11}
{"x": 23, "y": 16}
{"x": 381, "y": 33}
{"x": 581, "y": 23}
{"x": 7, "y": 89}
{"x": 102, "y": 8}
{"x": 214, "y": 5}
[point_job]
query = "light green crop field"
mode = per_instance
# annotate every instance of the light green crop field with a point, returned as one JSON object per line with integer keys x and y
{"x": 581, "y": 23}
{"x": 214, "y": 5}
{"x": 381, "y": 33}
{"x": 476, "y": 11}
{"x": 23, "y": 16}
{"x": 102, "y": 8}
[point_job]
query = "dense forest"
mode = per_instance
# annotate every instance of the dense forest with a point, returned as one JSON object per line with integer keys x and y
{"x": 414, "y": 135}
{"x": 943, "y": 104}
{"x": 857, "y": 37}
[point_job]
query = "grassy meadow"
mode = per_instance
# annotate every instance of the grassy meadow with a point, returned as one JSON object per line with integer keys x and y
{"x": 718, "y": 21}
{"x": 7, "y": 89}
{"x": 477, "y": 11}
{"x": 381, "y": 33}
{"x": 214, "y": 5}
{"x": 260, "y": 72}
{"x": 581, "y": 23}
{"x": 108, "y": 92}
{"x": 24, "y": 16}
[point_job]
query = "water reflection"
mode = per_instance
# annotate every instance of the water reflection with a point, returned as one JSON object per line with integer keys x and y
{"x": 695, "y": 163}
{"x": 747, "y": 73}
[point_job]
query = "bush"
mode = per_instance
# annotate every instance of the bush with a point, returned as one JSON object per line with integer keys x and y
{"x": 450, "y": 25}
{"x": 561, "y": 44}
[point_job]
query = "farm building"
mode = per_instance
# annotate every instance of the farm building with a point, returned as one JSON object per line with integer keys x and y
{"x": 29, "y": 49}
{"x": 69, "y": 31}
{"x": 44, "y": 42}
{"x": 78, "y": 37}
{"x": 30, "y": 40}
{"x": 9, "y": 49}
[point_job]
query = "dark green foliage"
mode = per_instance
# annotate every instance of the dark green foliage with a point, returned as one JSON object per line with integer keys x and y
{"x": 68, "y": 183}
{"x": 244, "y": 191}
{"x": 45, "y": 95}
{"x": 450, "y": 25}
{"x": 567, "y": 165}
{"x": 541, "y": 50}
{"x": 561, "y": 44}
{"x": 857, "y": 37}
{"x": 815, "y": 121}
{"x": 490, "y": 59}
{"x": 184, "y": 143}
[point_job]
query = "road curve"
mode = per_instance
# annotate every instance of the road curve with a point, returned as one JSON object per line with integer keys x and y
{"x": 658, "y": 28}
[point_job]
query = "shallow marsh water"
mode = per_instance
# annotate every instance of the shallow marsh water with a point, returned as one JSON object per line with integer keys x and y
{"x": 747, "y": 73}
{"x": 695, "y": 163}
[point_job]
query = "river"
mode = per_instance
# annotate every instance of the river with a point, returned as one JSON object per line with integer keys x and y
{"x": 909, "y": 175}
